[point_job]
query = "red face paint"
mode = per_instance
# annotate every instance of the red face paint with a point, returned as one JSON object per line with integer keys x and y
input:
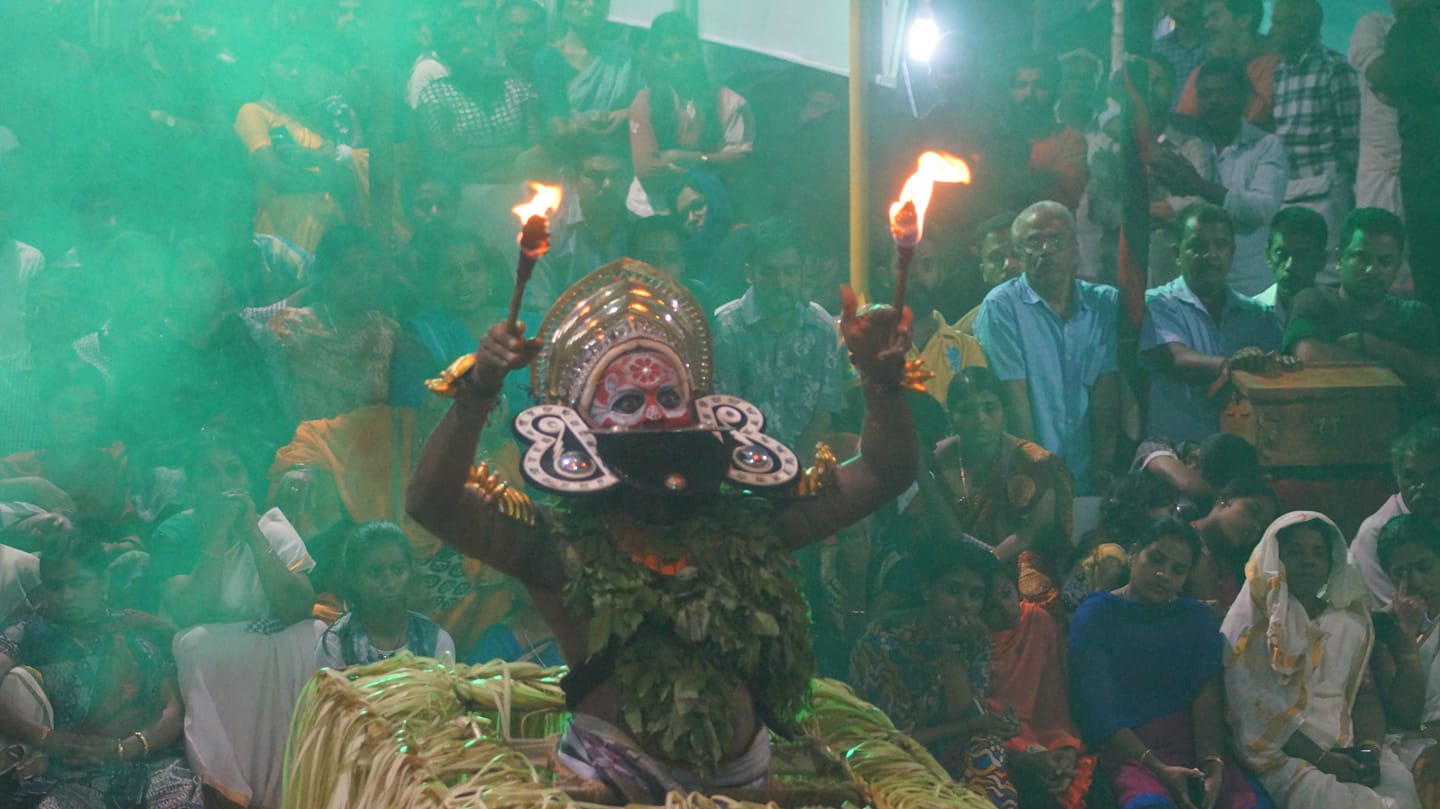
{"x": 641, "y": 389}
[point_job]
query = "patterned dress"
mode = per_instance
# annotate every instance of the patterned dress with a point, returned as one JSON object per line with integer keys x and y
{"x": 896, "y": 666}
{"x": 106, "y": 685}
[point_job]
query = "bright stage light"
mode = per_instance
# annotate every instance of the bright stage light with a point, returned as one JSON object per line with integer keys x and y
{"x": 924, "y": 36}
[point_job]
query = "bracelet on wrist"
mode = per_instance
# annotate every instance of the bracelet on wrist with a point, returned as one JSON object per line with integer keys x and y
{"x": 144, "y": 743}
{"x": 1147, "y": 754}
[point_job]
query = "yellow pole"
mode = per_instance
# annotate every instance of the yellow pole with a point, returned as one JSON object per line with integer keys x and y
{"x": 860, "y": 46}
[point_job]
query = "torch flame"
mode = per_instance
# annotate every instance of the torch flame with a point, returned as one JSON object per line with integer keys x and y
{"x": 545, "y": 202}
{"x": 930, "y": 168}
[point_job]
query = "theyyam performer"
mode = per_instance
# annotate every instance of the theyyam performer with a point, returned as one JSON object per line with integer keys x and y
{"x": 665, "y": 565}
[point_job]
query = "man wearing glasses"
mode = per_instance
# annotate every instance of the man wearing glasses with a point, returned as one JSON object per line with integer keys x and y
{"x": 1051, "y": 338}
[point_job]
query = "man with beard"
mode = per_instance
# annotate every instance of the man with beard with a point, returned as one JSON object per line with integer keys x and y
{"x": 1058, "y": 169}
{"x": 1197, "y": 329}
{"x": 1416, "y": 459}
{"x": 1362, "y": 321}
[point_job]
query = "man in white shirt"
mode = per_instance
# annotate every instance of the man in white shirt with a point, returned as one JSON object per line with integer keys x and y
{"x": 1416, "y": 457}
{"x": 1377, "y": 178}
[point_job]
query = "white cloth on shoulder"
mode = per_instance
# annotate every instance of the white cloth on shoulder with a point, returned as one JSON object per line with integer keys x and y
{"x": 240, "y": 685}
{"x": 1288, "y": 673}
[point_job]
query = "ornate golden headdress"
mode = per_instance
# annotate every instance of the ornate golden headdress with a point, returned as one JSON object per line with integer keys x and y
{"x": 622, "y": 306}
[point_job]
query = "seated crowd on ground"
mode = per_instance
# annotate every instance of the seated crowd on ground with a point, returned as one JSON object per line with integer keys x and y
{"x": 214, "y": 342}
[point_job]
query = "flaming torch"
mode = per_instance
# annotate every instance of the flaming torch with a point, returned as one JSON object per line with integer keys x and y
{"x": 907, "y": 214}
{"x": 534, "y": 241}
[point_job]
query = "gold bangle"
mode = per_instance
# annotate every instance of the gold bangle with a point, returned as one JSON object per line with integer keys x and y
{"x": 144, "y": 743}
{"x": 1148, "y": 752}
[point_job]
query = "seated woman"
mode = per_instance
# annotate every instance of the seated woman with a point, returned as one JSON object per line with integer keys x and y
{"x": 682, "y": 121}
{"x": 1409, "y": 551}
{"x": 309, "y": 175}
{"x": 1008, "y": 493}
{"x": 928, "y": 670}
{"x": 104, "y": 710}
{"x": 375, "y": 569}
{"x": 237, "y": 580}
{"x": 1228, "y": 534}
{"x": 1027, "y": 676}
{"x": 89, "y": 469}
{"x": 1304, "y": 718}
{"x": 1145, "y": 666}
{"x": 337, "y": 348}
{"x": 1131, "y": 504}
{"x": 585, "y": 77}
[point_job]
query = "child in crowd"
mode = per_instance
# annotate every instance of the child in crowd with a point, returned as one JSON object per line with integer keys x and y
{"x": 376, "y": 567}
{"x": 929, "y": 669}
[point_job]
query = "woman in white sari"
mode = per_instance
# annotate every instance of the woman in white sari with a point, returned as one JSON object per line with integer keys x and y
{"x": 235, "y": 584}
{"x": 1300, "y": 638}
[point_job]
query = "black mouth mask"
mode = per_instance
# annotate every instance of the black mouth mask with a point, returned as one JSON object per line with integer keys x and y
{"x": 671, "y": 465}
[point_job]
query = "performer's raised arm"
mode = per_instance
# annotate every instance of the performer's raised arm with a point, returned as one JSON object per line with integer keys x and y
{"x": 877, "y": 338}
{"x": 438, "y": 498}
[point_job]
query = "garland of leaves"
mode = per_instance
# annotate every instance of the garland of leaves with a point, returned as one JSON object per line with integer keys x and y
{"x": 734, "y": 611}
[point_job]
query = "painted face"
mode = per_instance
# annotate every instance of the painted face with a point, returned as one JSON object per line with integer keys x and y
{"x": 641, "y": 389}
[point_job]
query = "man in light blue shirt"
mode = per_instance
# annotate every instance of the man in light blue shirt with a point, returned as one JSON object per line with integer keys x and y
{"x": 1250, "y": 169}
{"x": 1051, "y": 339}
{"x": 1197, "y": 328}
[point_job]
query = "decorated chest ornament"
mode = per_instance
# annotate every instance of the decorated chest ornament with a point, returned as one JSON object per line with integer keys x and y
{"x": 624, "y": 383}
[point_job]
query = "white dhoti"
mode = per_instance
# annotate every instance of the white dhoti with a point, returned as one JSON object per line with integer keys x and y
{"x": 240, "y": 689}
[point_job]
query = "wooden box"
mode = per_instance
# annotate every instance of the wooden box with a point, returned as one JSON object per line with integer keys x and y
{"x": 1321, "y": 415}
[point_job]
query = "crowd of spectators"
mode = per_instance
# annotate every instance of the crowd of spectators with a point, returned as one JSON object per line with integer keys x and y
{"x": 237, "y": 237}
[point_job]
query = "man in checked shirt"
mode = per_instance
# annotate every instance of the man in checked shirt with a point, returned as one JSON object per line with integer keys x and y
{"x": 1317, "y": 114}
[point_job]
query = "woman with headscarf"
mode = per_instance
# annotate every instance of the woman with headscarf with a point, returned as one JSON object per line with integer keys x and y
{"x": 1300, "y": 638}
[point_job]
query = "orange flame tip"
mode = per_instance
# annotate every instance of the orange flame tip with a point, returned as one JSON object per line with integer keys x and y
{"x": 930, "y": 168}
{"x": 545, "y": 202}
